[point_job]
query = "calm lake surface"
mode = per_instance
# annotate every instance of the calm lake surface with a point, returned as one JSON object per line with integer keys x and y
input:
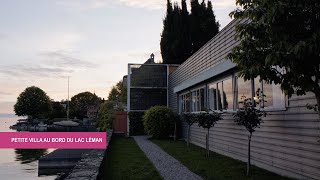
{"x": 19, "y": 163}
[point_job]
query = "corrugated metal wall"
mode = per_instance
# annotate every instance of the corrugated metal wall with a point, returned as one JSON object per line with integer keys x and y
{"x": 286, "y": 143}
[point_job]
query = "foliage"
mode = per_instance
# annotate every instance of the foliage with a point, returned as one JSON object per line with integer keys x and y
{"x": 118, "y": 93}
{"x": 248, "y": 115}
{"x": 136, "y": 123}
{"x": 81, "y": 102}
{"x": 159, "y": 122}
{"x": 189, "y": 118}
{"x": 105, "y": 116}
{"x": 58, "y": 111}
{"x": 217, "y": 167}
{"x": 203, "y": 24}
{"x": 33, "y": 102}
{"x": 280, "y": 41}
{"x": 208, "y": 119}
{"x": 184, "y": 33}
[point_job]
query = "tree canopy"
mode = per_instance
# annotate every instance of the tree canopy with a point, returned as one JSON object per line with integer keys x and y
{"x": 184, "y": 33}
{"x": 80, "y": 103}
{"x": 280, "y": 42}
{"x": 33, "y": 102}
{"x": 118, "y": 93}
{"x": 58, "y": 111}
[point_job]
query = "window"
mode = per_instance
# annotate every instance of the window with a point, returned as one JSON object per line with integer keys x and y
{"x": 227, "y": 93}
{"x": 243, "y": 90}
{"x": 197, "y": 100}
{"x": 220, "y": 95}
{"x": 184, "y": 103}
{"x": 274, "y": 97}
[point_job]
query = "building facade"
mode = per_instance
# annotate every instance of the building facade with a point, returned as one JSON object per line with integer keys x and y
{"x": 286, "y": 143}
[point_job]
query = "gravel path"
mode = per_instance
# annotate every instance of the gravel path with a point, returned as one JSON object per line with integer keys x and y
{"x": 168, "y": 167}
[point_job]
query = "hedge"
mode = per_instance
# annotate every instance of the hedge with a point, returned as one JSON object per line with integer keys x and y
{"x": 136, "y": 124}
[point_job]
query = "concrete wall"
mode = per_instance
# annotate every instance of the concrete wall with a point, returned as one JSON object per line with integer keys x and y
{"x": 286, "y": 143}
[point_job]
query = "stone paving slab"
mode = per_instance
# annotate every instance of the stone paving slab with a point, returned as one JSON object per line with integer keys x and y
{"x": 168, "y": 167}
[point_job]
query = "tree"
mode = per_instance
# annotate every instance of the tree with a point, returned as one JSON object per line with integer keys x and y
{"x": 105, "y": 115}
{"x": 58, "y": 111}
{"x": 80, "y": 103}
{"x": 166, "y": 35}
{"x": 203, "y": 24}
{"x": 208, "y": 120}
{"x": 184, "y": 33}
{"x": 34, "y": 103}
{"x": 280, "y": 42}
{"x": 190, "y": 119}
{"x": 250, "y": 117}
{"x": 118, "y": 95}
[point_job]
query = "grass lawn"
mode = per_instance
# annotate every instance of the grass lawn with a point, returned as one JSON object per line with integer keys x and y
{"x": 125, "y": 160}
{"x": 217, "y": 167}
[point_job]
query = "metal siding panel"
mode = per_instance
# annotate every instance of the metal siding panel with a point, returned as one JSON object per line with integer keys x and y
{"x": 285, "y": 143}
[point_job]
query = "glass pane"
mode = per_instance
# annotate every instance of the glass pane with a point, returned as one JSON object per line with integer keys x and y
{"x": 202, "y": 100}
{"x": 219, "y": 96}
{"x": 194, "y": 101}
{"x": 212, "y": 97}
{"x": 181, "y": 103}
{"x": 187, "y": 102}
{"x": 143, "y": 99}
{"x": 228, "y": 94}
{"x": 257, "y": 92}
{"x": 148, "y": 76}
{"x": 244, "y": 89}
{"x": 198, "y": 100}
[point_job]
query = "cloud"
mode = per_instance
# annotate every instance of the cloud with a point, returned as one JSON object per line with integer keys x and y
{"x": 57, "y": 64}
{"x": 150, "y": 4}
{"x": 62, "y": 59}
{"x": 161, "y": 4}
{"x": 32, "y": 70}
{"x": 83, "y": 5}
{"x": 5, "y": 93}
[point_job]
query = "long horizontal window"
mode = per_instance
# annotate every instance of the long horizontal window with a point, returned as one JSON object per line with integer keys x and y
{"x": 225, "y": 94}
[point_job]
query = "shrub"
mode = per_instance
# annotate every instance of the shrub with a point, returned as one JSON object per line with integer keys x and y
{"x": 159, "y": 122}
{"x": 136, "y": 123}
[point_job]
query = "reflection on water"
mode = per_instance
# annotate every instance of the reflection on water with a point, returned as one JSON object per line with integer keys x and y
{"x": 29, "y": 155}
{"x": 19, "y": 164}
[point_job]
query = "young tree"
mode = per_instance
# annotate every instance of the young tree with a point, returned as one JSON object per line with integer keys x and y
{"x": 250, "y": 117}
{"x": 34, "y": 103}
{"x": 190, "y": 119}
{"x": 208, "y": 120}
{"x": 280, "y": 42}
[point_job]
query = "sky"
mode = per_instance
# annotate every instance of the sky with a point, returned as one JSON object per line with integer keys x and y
{"x": 42, "y": 42}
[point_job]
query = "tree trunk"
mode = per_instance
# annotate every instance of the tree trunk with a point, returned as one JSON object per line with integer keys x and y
{"x": 318, "y": 103}
{"x": 188, "y": 136}
{"x": 175, "y": 132}
{"x": 249, "y": 158}
{"x": 207, "y": 143}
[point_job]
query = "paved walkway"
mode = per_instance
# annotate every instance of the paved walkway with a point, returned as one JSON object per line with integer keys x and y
{"x": 168, "y": 167}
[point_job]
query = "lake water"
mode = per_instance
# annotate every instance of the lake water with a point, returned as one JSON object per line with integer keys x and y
{"x": 19, "y": 164}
